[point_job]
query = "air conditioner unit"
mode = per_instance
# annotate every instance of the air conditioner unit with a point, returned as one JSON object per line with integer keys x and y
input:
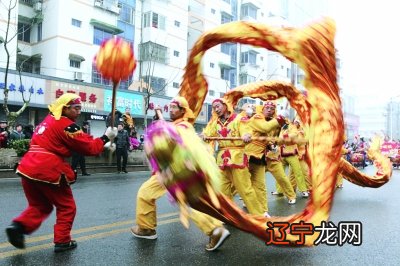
{"x": 78, "y": 76}
{"x": 37, "y": 6}
{"x": 98, "y": 3}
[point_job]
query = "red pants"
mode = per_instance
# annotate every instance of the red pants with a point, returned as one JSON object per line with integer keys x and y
{"x": 41, "y": 198}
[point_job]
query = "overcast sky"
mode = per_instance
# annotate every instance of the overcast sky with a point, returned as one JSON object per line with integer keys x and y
{"x": 368, "y": 38}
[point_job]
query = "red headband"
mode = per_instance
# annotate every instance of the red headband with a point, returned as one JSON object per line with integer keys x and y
{"x": 177, "y": 103}
{"x": 76, "y": 101}
{"x": 269, "y": 104}
{"x": 218, "y": 100}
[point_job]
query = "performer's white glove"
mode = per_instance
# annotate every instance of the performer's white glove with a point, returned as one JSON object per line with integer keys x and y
{"x": 111, "y": 133}
{"x": 110, "y": 147}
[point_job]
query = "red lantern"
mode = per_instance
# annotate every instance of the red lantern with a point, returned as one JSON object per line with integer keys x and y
{"x": 115, "y": 59}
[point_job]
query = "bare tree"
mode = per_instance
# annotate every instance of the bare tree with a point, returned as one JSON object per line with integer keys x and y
{"x": 147, "y": 87}
{"x": 10, "y": 34}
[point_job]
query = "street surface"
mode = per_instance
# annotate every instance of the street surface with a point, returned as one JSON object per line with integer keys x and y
{"x": 106, "y": 210}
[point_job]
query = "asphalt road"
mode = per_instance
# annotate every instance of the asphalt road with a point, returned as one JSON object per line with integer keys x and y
{"x": 106, "y": 209}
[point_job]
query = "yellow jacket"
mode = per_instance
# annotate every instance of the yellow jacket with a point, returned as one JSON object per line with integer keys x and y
{"x": 289, "y": 149}
{"x": 259, "y": 127}
{"x": 230, "y": 152}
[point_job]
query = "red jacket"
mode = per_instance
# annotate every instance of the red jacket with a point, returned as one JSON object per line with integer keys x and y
{"x": 52, "y": 142}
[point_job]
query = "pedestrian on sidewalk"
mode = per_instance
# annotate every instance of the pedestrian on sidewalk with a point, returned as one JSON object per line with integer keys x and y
{"x": 78, "y": 158}
{"x": 122, "y": 145}
{"x": 46, "y": 176}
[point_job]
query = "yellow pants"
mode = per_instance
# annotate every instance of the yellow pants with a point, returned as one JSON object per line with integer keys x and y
{"x": 278, "y": 172}
{"x": 295, "y": 167}
{"x": 258, "y": 182}
{"x": 146, "y": 213}
{"x": 304, "y": 168}
{"x": 240, "y": 179}
{"x": 339, "y": 180}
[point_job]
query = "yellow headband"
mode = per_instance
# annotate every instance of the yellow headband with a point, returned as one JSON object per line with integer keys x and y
{"x": 183, "y": 103}
{"x": 57, "y": 106}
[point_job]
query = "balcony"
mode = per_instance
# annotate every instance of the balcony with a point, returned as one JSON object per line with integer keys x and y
{"x": 108, "y": 5}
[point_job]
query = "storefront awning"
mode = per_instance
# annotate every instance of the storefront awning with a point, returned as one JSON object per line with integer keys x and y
{"x": 226, "y": 66}
{"x": 34, "y": 57}
{"x": 106, "y": 26}
{"x": 76, "y": 57}
{"x": 34, "y": 20}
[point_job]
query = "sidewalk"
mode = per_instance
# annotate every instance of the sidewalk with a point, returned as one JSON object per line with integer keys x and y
{"x": 99, "y": 164}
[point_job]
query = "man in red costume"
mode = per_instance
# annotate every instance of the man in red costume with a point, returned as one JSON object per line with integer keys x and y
{"x": 46, "y": 175}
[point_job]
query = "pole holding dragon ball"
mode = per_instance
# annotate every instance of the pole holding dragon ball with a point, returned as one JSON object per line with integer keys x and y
{"x": 115, "y": 61}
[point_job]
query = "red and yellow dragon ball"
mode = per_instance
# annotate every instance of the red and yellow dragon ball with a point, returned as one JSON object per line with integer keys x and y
{"x": 115, "y": 60}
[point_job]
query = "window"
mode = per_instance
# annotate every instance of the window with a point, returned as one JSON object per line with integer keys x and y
{"x": 288, "y": 72}
{"x": 212, "y": 11}
{"x": 225, "y": 73}
{"x": 100, "y": 35}
{"x": 24, "y": 32}
{"x": 175, "y": 85}
{"x": 212, "y": 65}
{"x": 154, "y": 20}
{"x": 75, "y": 63}
{"x": 156, "y": 84}
{"x": 221, "y": 94}
{"x": 244, "y": 79}
{"x": 249, "y": 57}
{"x": 39, "y": 32}
{"x": 126, "y": 13}
{"x": 211, "y": 92}
{"x": 177, "y": 23}
{"x": 151, "y": 51}
{"x": 225, "y": 48}
{"x": 76, "y": 23}
{"x": 124, "y": 84}
{"x": 30, "y": 65}
{"x": 226, "y": 18}
{"x": 97, "y": 78}
{"x": 249, "y": 10}
{"x": 176, "y": 53}
{"x": 151, "y": 19}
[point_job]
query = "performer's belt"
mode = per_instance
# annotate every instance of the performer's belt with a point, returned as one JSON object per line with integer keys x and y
{"x": 38, "y": 149}
{"x": 232, "y": 148}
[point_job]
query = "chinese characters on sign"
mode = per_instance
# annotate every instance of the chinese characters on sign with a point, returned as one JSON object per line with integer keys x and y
{"x": 329, "y": 233}
{"x": 91, "y": 97}
{"x": 124, "y": 100}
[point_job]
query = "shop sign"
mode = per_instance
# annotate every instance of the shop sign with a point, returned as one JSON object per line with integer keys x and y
{"x": 92, "y": 98}
{"x": 124, "y": 100}
{"x": 31, "y": 88}
{"x": 96, "y": 117}
{"x": 162, "y": 102}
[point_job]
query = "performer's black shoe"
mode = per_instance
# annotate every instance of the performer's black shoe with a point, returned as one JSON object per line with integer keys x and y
{"x": 61, "y": 247}
{"x": 15, "y": 234}
{"x": 125, "y": 171}
{"x": 87, "y": 174}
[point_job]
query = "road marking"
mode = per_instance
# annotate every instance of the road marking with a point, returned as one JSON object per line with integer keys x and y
{"x": 85, "y": 230}
{"x": 78, "y": 239}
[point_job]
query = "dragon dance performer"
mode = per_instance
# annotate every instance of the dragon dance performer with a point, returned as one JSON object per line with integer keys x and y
{"x": 256, "y": 151}
{"x": 290, "y": 156}
{"x": 152, "y": 190}
{"x": 274, "y": 163}
{"x": 231, "y": 158}
{"x": 302, "y": 149}
{"x": 46, "y": 175}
